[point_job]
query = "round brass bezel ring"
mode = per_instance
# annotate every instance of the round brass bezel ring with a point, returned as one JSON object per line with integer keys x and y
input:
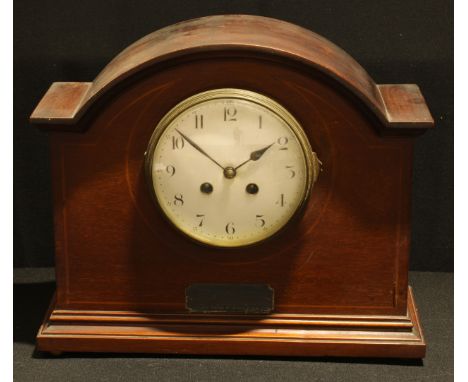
{"x": 311, "y": 160}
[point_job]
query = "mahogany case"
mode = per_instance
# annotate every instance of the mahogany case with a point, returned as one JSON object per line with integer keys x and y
{"x": 339, "y": 272}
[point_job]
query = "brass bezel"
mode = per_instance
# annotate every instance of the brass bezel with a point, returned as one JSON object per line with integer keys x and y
{"x": 312, "y": 162}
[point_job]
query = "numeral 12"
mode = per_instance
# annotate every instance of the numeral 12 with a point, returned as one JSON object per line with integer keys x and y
{"x": 230, "y": 113}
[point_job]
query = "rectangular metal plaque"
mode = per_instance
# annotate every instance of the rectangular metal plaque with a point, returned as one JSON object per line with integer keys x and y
{"x": 229, "y": 298}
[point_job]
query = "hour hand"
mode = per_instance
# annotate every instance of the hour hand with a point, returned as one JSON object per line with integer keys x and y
{"x": 195, "y": 146}
{"x": 256, "y": 155}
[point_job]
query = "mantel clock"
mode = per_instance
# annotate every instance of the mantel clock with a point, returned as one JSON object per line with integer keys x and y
{"x": 232, "y": 185}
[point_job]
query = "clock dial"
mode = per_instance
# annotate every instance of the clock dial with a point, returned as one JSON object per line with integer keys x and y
{"x": 230, "y": 167}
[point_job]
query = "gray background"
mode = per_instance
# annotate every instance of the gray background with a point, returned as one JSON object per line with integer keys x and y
{"x": 396, "y": 41}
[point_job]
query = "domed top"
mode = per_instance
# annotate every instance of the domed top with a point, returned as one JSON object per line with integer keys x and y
{"x": 394, "y": 105}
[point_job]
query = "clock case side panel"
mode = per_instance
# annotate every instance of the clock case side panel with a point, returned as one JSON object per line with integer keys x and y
{"x": 60, "y": 239}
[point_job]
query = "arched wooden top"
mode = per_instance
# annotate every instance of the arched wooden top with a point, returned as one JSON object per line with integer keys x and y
{"x": 394, "y": 105}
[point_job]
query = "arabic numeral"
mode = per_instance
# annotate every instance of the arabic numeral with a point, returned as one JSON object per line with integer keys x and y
{"x": 178, "y": 200}
{"x": 292, "y": 173}
{"x": 281, "y": 200}
{"x": 230, "y": 113}
{"x": 178, "y": 143}
{"x": 201, "y": 217}
{"x": 259, "y": 221}
{"x": 230, "y": 230}
{"x": 199, "y": 121}
{"x": 170, "y": 169}
{"x": 282, "y": 142}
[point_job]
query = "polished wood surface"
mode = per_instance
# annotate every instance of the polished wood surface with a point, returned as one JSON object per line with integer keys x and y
{"x": 277, "y": 335}
{"x": 250, "y": 34}
{"x": 346, "y": 255}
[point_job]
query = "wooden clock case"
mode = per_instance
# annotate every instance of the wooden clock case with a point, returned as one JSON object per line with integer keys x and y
{"x": 339, "y": 272}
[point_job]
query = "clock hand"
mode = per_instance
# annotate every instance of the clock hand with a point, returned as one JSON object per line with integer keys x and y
{"x": 255, "y": 155}
{"x": 198, "y": 148}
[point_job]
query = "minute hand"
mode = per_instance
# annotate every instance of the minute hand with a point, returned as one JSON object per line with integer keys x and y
{"x": 198, "y": 148}
{"x": 255, "y": 155}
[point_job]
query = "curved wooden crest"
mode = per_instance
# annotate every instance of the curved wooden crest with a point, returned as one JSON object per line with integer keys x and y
{"x": 396, "y": 106}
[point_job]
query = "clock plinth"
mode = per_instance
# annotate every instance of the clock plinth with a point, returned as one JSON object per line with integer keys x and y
{"x": 221, "y": 334}
{"x": 332, "y": 281}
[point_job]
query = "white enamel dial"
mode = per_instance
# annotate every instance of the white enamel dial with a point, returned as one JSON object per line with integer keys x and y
{"x": 230, "y": 167}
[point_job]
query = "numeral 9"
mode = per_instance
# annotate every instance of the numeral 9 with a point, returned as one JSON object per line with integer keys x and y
{"x": 170, "y": 169}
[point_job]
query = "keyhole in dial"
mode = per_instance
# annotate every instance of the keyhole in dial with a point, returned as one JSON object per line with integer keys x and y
{"x": 206, "y": 188}
{"x": 251, "y": 188}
